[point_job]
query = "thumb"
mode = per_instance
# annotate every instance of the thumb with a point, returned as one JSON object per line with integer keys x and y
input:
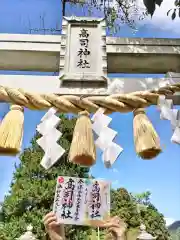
{"x": 110, "y": 225}
{"x": 116, "y": 231}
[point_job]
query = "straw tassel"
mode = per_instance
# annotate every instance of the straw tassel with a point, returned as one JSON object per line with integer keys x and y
{"x": 82, "y": 150}
{"x": 11, "y": 131}
{"x": 146, "y": 140}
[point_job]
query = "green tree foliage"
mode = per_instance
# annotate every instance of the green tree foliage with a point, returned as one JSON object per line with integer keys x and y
{"x": 138, "y": 209}
{"x": 32, "y": 188}
{"x": 125, "y": 207}
{"x": 1, "y": 213}
{"x": 149, "y": 215}
{"x": 143, "y": 198}
{"x": 155, "y": 223}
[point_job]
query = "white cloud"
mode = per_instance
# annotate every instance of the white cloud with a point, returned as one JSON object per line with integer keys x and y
{"x": 114, "y": 170}
{"x": 160, "y": 19}
{"x": 169, "y": 221}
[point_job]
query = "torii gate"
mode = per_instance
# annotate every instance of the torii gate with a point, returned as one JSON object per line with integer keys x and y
{"x": 82, "y": 57}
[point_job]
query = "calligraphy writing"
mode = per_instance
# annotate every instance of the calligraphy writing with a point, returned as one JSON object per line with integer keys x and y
{"x": 79, "y": 198}
{"x": 84, "y": 42}
{"x": 58, "y": 195}
{"x": 83, "y": 52}
{"x": 68, "y": 198}
{"x": 96, "y": 200}
{"x": 84, "y": 34}
{"x": 86, "y": 196}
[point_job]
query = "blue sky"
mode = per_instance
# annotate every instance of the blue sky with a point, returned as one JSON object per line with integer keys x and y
{"x": 161, "y": 175}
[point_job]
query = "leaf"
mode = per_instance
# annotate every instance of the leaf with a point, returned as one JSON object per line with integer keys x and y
{"x": 174, "y": 15}
{"x": 159, "y": 2}
{"x": 169, "y": 12}
{"x": 177, "y": 2}
{"x": 150, "y": 6}
{"x": 179, "y": 12}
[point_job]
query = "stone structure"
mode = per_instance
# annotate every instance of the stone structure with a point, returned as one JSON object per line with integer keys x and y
{"x": 28, "y": 235}
{"x": 42, "y": 53}
{"x": 85, "y": 40}
{"x": 52, "y": 53}
{"x": 144, "y": 235}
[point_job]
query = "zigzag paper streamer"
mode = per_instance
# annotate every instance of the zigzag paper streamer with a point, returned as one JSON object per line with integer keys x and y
{"x": 111, "y": 153}
{"x": 106, "y": 135}
{"x": 166, "y": 106}
{"x": 173, "y": 115}
{"x": 176, "y": 136}
{"x": 50, "y": 136}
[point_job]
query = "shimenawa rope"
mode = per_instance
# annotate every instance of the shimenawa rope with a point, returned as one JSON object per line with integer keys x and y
{"x": 75, "y": 104}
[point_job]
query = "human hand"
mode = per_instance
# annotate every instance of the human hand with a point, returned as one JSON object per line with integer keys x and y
{"x": 53, "y": 228}
{"x": 116, "y": 226}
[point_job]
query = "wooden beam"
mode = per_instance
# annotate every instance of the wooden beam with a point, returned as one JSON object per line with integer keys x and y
{"x": 124, "y": 55}
{"x": 52, "y": 84}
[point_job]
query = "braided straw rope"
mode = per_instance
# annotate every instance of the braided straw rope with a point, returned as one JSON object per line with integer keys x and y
{"x": 74, "y": 104}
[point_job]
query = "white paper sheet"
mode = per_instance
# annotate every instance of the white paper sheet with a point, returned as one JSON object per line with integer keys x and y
{"x": 105, "y": 138}
{"x": 176, "y": 136}
{"x": 111, "y": 153}
{"x": 81, "y": 201}
{"x": 50, "y": 136}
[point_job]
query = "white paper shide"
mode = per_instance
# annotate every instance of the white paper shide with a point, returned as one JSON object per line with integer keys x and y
{"x": 50, "y": 136}
{"x": 173, "y": 115}
{"x": 106, "y": 135}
